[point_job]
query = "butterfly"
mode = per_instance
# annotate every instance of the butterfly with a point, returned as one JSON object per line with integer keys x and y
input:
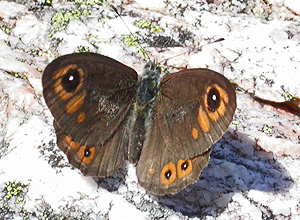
{"x": 105, "y": 114}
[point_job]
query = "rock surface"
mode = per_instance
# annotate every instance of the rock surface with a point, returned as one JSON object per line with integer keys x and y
{"x": 254, "y": 171}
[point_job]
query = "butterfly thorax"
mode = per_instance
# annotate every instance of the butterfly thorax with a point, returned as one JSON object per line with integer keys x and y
{"x": 145, "y": 101}
{"x": 148, "y": 86}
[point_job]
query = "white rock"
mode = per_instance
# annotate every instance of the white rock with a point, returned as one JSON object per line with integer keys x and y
{"x": 29, "y": 28}
{"x": 11, "y": 9}
{"x": 293, "y": 5}
{"x": 151, "y": 5}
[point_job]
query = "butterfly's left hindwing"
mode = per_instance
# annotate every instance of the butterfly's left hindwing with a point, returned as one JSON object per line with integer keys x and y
{"x": 99, "y": 160}
{"x": 193, "y": 110}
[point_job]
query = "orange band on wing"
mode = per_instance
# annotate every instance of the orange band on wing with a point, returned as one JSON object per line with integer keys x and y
{"x": 195, "y": 133}
{"x": 203, "y": 120}
{"x": 80, "y": 117}
{"x": 75, "y": 103}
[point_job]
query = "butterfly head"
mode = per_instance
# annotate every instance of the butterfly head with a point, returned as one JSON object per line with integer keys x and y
{"x": 152, "y": 70}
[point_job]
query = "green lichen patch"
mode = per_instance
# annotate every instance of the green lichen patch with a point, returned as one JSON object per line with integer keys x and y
{"x": 61, "y": 19}
{"x": 8, "y": 43}
{"x": 6, "y": 28}
{"x": 267, "y": 129}
{"x": 88, "y": 2}
{"x": 12, "y": 200}
{"x": 14, "y": 190}
{"x": 16, "y": 75}
{"x": 154, "y": 36}
{"x": 132, "y": 41}
{"x": 287, "y": 96}
{"x": 235, "y": 123}
{"x": 35, "y": 52}
{"x": 144, "y": 24}
{"x": 82, "y": 49}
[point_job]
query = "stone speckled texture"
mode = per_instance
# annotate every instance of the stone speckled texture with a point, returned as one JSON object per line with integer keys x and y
{"x": 254, "y": 171}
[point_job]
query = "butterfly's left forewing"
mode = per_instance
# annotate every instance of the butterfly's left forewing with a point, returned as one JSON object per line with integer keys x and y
{"x": 193, "y": 110}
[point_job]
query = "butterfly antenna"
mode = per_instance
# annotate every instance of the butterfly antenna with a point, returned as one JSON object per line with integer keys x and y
{"x": 140, "y": 46}
{"x": 193, "y": 50}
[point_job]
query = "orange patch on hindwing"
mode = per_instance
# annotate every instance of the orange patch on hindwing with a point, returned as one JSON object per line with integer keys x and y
{"x": 168, "y": 174}
{"x": 72, "y": 144}
{"x": 203, "y": 120}
{"x": 68, "y": 139}
{"x": 184, "y": 167}
{"x": 86, "y": 155}
{"x": 151, "y": 171}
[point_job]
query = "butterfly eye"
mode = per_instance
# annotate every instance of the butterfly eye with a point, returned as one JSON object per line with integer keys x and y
{"x": 213, "y": 99}
{"x": 71, "y": 80}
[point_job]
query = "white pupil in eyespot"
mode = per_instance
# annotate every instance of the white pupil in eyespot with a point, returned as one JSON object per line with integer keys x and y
{"x": 71, "y": 78}
{"x": 214, "y": 97}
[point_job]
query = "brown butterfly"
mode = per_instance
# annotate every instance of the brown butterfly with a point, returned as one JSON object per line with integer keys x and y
{"x": 104, "y": 114}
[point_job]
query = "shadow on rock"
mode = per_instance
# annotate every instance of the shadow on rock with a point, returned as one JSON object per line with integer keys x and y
{"x": 235, "y": 166}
